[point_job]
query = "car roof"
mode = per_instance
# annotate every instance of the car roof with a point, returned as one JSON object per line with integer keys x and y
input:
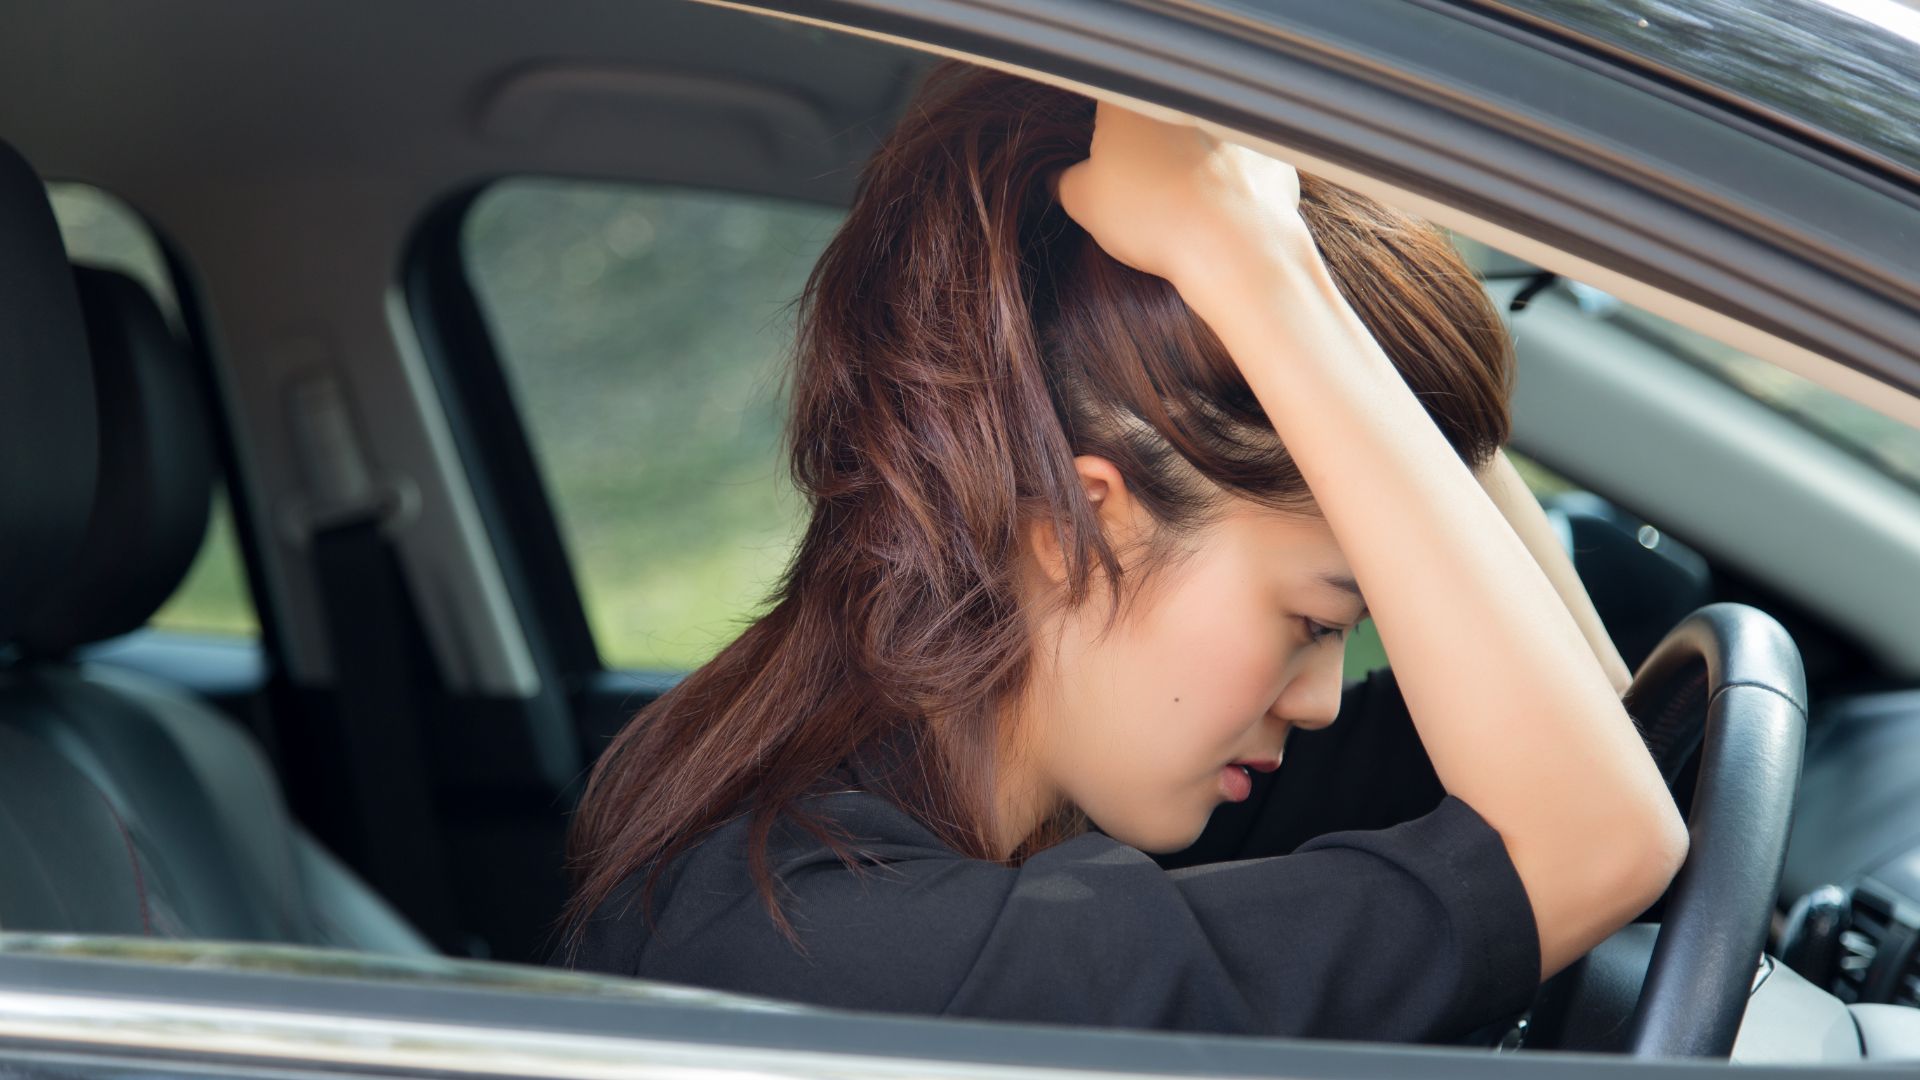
{"x": 152, "y": 100}
{"x": 1859, "y": 60}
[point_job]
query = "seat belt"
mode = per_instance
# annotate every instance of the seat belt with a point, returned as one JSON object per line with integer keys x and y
{"x": 364, "y": 770}
{"x": 386, "y": 697}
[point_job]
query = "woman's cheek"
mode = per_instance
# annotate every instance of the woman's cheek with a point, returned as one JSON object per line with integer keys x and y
{"x": 1231, "y": 657}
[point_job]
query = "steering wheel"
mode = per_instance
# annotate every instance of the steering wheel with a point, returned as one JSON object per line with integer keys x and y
{"x": 1725, "y": 691}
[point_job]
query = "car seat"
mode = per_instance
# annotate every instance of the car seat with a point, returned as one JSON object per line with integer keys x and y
{"x": 126, "y": 804}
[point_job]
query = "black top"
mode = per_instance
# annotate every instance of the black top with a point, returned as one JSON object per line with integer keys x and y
{"x": 1349, "y": 897}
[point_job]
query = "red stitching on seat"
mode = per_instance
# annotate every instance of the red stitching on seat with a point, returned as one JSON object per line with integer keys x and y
{"x": 133, "y": 856}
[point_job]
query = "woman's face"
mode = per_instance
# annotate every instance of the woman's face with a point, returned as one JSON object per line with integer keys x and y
{"x": 1214, "y": 664}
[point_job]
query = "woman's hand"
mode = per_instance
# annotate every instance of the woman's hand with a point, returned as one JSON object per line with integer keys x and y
{"x": 1174, "y": 201}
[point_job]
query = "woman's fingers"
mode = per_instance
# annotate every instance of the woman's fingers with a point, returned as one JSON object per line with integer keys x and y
{"x": 1059, "y": 184}
{"x": 1165, "y": 197}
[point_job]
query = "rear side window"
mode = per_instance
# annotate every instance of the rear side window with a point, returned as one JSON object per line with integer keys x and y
{"x": 645, "y": 334}
{"x": 100, "y": 230}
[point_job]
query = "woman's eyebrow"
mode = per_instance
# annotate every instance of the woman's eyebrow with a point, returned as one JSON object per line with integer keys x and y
{"x": 1346, "y": 584}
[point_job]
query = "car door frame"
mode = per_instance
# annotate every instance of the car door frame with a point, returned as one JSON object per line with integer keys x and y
{"x": 1422, "y": 104}
{"x": 107, "y": 1016}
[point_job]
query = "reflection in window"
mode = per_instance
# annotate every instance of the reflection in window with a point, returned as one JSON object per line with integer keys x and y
{"x": 1848, "y": 68}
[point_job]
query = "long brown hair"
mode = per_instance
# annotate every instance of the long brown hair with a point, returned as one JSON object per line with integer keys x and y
{"x": 960, "y": 341}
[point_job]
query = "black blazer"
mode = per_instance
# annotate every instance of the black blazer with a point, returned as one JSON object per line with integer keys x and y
{"x": 1347, "y": 897}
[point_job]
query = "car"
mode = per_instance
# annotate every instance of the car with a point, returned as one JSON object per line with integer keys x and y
{"x": 389, "y": 407}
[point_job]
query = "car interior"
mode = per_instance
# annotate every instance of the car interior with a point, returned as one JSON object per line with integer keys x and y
{"x": 387, "y": 413}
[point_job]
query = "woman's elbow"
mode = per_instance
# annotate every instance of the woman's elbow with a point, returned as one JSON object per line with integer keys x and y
{"x": 1657, "y": 849}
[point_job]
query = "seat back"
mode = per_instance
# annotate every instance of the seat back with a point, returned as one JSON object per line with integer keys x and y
{"x": 126, "y": 804}
{"x": 66, "y": 859}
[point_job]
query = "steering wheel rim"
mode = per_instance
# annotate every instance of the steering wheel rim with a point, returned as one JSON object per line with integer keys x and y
{"x": 1726, "y": 683}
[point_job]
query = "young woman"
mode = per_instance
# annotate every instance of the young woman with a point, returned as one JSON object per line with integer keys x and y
{"x": 1111, "y": 432}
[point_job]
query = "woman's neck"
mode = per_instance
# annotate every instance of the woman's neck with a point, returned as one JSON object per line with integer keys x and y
{"x": 1024, "y": 795}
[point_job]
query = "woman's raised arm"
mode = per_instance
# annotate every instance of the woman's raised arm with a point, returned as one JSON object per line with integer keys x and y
{"x": 1522, "y": 511}
{"x": 1518, "y": 719}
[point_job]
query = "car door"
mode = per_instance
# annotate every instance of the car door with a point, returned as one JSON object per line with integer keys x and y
{"x": 1489, "y": 125}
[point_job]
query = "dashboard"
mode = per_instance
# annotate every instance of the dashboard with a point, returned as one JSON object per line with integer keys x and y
{"x": 1851, "y": 884}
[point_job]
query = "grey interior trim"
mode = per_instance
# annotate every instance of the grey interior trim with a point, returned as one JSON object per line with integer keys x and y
{"x": 532, "y": 104}
{"x": 490, "y": 654}
{"x": 1888, "y": 1032}
{"x": 1721, "y": 471}
{"x": 1788, "y": 1019}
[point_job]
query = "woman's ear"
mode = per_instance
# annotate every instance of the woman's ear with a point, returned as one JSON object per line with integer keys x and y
{"x": 1122, "y": 517}
{"x": 1113, "y": 501}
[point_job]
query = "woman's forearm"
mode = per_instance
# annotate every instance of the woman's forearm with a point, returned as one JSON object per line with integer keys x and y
{"x": 1522, "y": 511}
{"x": 1518, "y": 719}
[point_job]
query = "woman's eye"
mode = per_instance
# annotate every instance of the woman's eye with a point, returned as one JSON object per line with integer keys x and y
{"x": 1321, "y": 632}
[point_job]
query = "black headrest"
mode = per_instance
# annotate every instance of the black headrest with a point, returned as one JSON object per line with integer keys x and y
{"x": 47, "y": 424}
{"x": 156, "y": 479}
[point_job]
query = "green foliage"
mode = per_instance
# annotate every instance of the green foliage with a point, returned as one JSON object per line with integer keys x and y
{"x": 645, "y": 332}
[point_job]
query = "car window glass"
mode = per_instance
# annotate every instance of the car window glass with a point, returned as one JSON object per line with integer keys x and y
{"x": 644, "y": 332}
{"x": 100, "y": 230}
{"x": 213, "y": 598}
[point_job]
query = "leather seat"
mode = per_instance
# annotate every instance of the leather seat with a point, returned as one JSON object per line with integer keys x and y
{"x": 126, "y": 804}
{"x": 65, "y": 859}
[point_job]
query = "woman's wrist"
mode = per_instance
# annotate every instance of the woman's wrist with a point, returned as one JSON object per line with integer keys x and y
{"x": 1247, "y": 264}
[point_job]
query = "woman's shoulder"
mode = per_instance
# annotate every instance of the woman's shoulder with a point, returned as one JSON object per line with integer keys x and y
{"x": 712, "y": 879}
{"x": 901, "y": 892}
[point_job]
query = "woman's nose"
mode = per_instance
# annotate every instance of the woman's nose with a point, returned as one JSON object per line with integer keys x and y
{"x": 1313, "y": 700}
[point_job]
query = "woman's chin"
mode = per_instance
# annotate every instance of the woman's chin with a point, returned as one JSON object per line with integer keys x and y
{"x": 1159, "y": 837}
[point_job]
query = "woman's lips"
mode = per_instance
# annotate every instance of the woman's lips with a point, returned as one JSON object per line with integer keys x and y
{"x": 1235, "y": 783}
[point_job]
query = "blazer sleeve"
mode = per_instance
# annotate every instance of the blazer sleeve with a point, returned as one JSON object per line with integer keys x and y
{"x": 1420, "y": 931}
